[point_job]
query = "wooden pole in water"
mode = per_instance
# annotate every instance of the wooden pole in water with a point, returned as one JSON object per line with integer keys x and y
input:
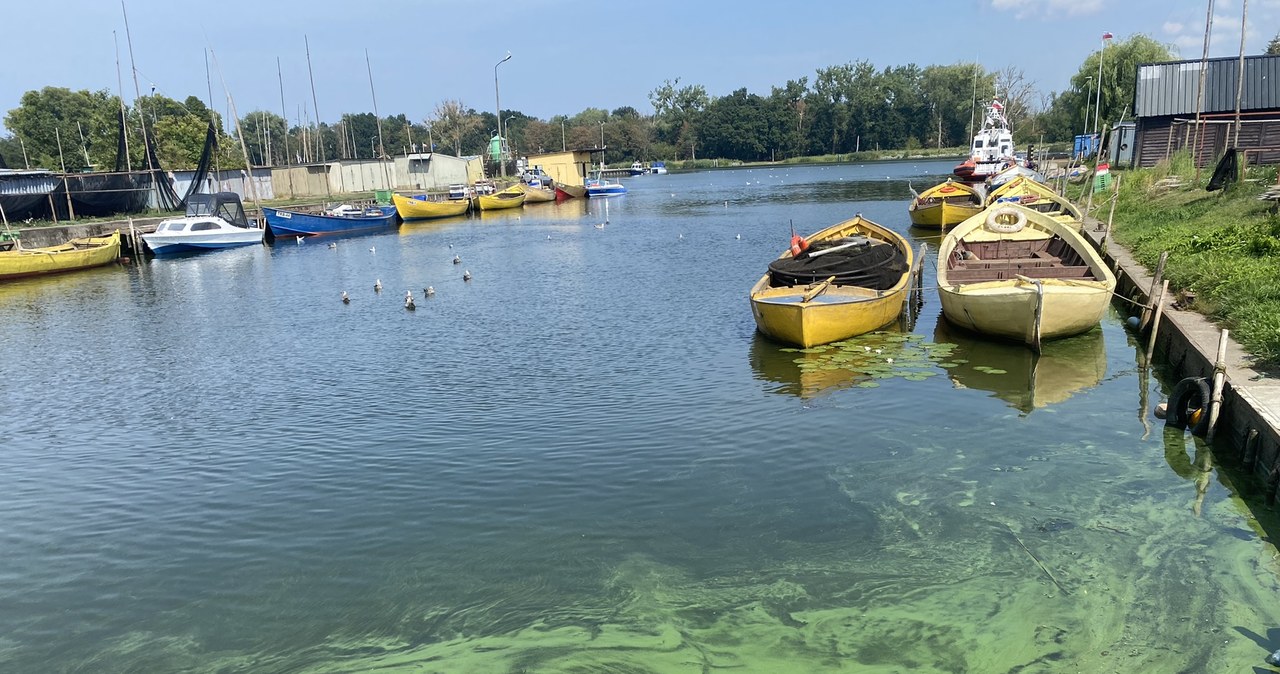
{"x": 1219, "y": 380}
{"x": 1155, "y": 324}
{"x": 1155, "y": 281}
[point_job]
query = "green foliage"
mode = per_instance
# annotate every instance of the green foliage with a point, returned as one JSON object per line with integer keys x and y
{"x": 1226, "y": 247}
{"x": 1273, "y": 47}
{"x": 1074, "y": 110}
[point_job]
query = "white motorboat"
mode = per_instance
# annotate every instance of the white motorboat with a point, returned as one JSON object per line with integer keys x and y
{"x": 212, "y": 221}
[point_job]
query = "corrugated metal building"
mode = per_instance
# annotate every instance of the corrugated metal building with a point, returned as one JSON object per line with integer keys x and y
{"x": 1164, "y": 106}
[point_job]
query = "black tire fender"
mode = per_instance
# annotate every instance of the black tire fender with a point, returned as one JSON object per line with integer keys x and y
{"x": 1190, "y": 396}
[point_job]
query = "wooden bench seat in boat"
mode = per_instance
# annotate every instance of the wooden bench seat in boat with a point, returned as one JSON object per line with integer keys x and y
{"x": 970, "y": 275}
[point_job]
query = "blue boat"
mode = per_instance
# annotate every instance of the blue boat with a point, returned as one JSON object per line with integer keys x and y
{"x": 341, "y": 220}
{"x": 602, "y": 187}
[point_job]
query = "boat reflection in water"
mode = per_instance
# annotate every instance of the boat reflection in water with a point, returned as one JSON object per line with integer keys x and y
{"x": 774, "y": 362}
{"x": 1014, "y": 374}
{"x": 863, "y": 361}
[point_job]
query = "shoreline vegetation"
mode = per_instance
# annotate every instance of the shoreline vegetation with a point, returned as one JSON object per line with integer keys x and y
{"x": 1224, "y": 246}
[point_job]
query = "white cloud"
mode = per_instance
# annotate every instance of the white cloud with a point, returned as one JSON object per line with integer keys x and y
{"x": 1044, "y": 9}
{"x": 1172, "y": 27}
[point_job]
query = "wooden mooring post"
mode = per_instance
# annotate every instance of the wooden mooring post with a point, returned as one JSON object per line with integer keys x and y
{"x": 1155, "y": 283}
{"x": 1219, "y": 380}
{"x": 1158, "y": 301}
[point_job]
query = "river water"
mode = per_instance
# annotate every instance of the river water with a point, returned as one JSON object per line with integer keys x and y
{"x": 585, "y": 460}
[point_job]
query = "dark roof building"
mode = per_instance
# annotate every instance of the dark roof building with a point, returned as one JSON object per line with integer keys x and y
{"x": 1164, "y": 106}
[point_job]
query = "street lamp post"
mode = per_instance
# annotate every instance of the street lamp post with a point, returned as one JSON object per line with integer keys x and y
{"x": 497, "y": 99}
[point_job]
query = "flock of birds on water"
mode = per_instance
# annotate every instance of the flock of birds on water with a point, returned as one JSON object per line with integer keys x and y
{"x": 409, "y": 303}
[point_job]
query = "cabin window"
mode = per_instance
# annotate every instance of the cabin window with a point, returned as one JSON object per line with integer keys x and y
{"x": 204, "y": 226}
{"x": 977, "y": 145}
{"x": 175, "y": 226}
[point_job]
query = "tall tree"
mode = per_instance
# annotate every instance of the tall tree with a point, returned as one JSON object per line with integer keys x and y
{"x": 452, "y": 122}
{"x": 1273, "y": 47}
{"x": 1119, "y": 79}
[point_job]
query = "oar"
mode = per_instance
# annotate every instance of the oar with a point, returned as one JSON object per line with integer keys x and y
{"x": 817, "y": 290}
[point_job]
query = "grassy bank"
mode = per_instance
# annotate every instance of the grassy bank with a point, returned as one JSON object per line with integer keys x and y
{"x": 1224, "y": 246}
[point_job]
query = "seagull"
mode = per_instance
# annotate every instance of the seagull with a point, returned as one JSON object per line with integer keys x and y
{"x": 408, "y": 301}
{"x": 345, "y": 299}
{"x": 332, "y": 246}
{"x": 450, "y": 245}
{"x": 466, "y": 275}
{"x": 599, "y": 225}
{"x": 373, "y": 249}
{"x": 681, "y": 236}
{"x": 377, "y": 286}
{"x": 548, "y": 237}
{"x": 889, "y": 361}
{"x": 457, "y": 259}
{"x": 298, "y": 238}
{"x": 429, "y": 291}
{"x": 737, "y": 236}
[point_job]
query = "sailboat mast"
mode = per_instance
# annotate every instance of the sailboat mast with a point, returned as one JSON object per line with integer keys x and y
{"x": 244, "y": 151}
{"x": 316, "y": 106}
{"x": 124, "y": 126}
{"x": 382, "y": 151}
{"x": 137, "y": 90}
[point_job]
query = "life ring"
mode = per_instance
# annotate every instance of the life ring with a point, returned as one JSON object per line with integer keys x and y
{"x": 1189, "y": 406}
{"x": 998, "y": 220}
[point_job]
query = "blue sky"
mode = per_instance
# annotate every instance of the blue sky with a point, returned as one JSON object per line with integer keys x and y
{"x": 567, "y": 56}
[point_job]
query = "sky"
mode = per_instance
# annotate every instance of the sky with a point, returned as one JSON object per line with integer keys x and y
{"x": 566, "y": 56}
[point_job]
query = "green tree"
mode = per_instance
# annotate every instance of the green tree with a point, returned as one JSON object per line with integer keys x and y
{"x": 737, "y": 127}
{"x": 677, "y": 112}
{"x": 1273, "y": 47}
{"x": 451, "y": 123}
{"x": 1119, "y": 78}
{"x": 57, "y": 114}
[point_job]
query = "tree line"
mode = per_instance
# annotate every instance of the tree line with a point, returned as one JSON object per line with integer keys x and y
{"x": 842, "y": 109}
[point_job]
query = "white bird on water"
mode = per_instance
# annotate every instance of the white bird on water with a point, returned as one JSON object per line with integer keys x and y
{"x": 408, "y": 301}
{"x": 373, "y": 249}
{"x": 298, "y": 238}
{"x": 429, "y": 291}
{"x": 466, "y": 275}
{"x": 737, "y": 236}
{"x": 377, "y": 286}
{"x": 457, "y": 259}
{"x": 345, "y": 299}
{"x": 332, "y": 245}
{"x": 599, "y": 225}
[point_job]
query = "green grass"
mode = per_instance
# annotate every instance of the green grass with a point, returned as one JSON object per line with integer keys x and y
{"x": 1224, "y": 246}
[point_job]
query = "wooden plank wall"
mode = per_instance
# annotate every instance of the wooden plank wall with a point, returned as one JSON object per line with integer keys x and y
{"x": 1158, "y": 137}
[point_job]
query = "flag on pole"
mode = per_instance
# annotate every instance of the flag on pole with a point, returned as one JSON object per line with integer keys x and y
{"x": 1107, "y": 36}
{"x": 996, "y": 105}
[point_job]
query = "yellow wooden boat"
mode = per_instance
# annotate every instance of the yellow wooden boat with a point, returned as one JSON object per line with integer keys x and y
{"x": 1016, "y": 273}
{"x": 853, "y": 278}
{"x": 418, "y": 209}
{"x": 1037, "y": 196}
{"x": 536, "y": 195}
{"x": 945, "y": 204}
{"x": 508, "y": 198}
{"x": 71, "y": 256}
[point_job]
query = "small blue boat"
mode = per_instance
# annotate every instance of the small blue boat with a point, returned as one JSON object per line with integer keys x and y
{"x": 602, "y": 187}
{"x": 341, "y": 220}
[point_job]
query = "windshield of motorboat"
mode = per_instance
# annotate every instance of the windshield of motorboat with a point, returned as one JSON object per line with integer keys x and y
{"x": 200, "y": 204}
{"x": 232, "y": 212}
{"x": 172, "y": 226}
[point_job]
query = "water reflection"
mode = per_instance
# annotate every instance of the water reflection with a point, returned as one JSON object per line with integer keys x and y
{"x": 771, "y": 363}
{"x": 1013, "y": 373}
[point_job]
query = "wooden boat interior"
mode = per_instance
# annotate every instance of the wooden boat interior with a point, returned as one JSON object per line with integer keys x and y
{"x": 1004, "y": 260}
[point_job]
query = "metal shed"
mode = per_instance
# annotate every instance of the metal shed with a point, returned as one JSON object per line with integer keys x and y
{"x": 1164, "y": 106}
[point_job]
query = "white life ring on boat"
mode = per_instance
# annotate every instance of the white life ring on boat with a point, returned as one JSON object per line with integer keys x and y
{"x": 1006, "y": 220}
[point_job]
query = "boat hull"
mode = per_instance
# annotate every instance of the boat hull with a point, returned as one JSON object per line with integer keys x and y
{"x": 610, "y": 190}
{"x": 73, "y": 255}
{"x": 292, "y": 223}
{"x": 571, "y": 191}
{"x": 1001, "y": 300}
{"x": 945, "y": 204}
{"x": 418, "y": 209}
{"x": 161, "y": 246}
{"x": 500, "y": 201}
{"x": 537, "y": 195}
{"x": 840, "y": 312}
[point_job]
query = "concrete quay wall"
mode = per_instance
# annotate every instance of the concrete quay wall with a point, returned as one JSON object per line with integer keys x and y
{"x": 1248, "y": 422}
